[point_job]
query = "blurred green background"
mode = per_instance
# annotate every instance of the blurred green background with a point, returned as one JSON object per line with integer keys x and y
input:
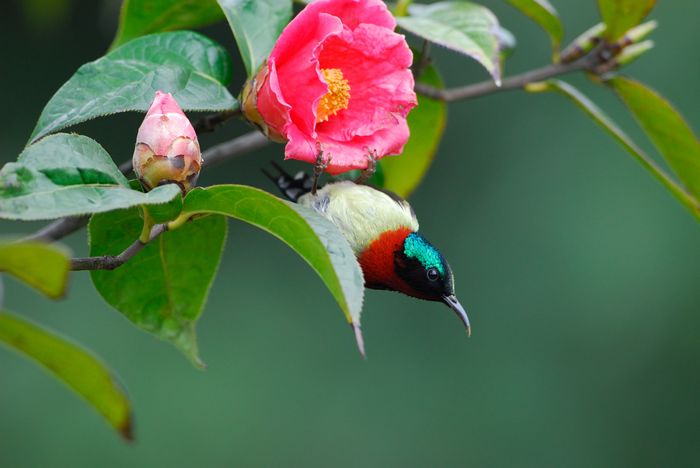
{"x": 580, "y": 273}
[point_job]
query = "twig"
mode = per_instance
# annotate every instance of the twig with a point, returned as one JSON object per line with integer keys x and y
{"x": 110, "y": 262}
{"x": 213, "y": 156}
{"x": 59, "y": 229}
{"x": 424, "y": 61}
{"x": 588, "y": 62}
{"x": 231, "y": 149}
{"x": 210, "y": 122}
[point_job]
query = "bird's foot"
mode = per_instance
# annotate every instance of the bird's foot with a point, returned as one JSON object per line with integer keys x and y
{"x": 368, "y": 172}
{"x": 292, "y": 187}
{"x": 319, "y": 168}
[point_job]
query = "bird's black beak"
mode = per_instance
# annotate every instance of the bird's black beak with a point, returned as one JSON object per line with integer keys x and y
{"x": 454, "y": 304}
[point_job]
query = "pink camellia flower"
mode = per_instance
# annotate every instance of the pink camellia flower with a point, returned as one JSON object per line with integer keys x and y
{"x": 167, "y": 150}
{"x": 338, "y": 81}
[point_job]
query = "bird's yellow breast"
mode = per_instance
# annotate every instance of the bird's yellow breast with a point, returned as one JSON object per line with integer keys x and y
{"x": 360, "y": 212}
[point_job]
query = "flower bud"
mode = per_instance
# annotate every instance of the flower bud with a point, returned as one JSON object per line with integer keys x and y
{"x": 638, "y": 33}
{"x": 249, "y": 105}
{"x": 633, "y": 52}
{"x": 583, "y": 43}
{"x": 167, "y": 150}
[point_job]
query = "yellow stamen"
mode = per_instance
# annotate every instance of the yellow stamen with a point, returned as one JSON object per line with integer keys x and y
{"x": 337, "y": 97}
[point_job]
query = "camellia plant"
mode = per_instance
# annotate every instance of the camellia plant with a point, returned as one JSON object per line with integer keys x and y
{"x": 337, "y": 84}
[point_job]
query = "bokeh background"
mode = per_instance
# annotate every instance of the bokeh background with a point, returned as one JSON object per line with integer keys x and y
{"x": 580, "y": 273}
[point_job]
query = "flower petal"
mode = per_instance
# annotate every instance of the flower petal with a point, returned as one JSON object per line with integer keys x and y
{"x": 300, "y": 146}
{"x": 349, "y": 155}
{"x": 377, "y": 97}
{"x": 295, "y": 60}
{"x": 271, "y": 104}
{"x": 354, "y": 12}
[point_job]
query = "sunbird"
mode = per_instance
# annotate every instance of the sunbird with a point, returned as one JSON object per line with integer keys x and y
{"x": 382, "y": 231}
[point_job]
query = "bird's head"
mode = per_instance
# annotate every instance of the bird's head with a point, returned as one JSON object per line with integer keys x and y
{"x": 405, "y": 261}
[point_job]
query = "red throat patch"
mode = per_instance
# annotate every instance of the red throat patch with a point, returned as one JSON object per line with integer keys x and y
{"x": 377, "y": 261}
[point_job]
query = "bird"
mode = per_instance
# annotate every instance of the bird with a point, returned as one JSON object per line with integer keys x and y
{"x": 382, "y": 230}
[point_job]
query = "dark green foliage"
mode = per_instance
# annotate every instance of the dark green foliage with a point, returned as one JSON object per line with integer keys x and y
{"x": 43, "y": 267}
{"x": 256, "y": 24}
{"x": 464, "y": 27}
{"x": 193, "y": 68}
{"x": 427, "y": 123}
{"x": 313, "y": 237}
{"x": 164, "y": 288}
{"x": 544, "y": 14}
{"x": 665, "y": 126}
{"x": 141, "y": 17}
{"x": 73, "y": 366}
{"x": 68, "y": 175}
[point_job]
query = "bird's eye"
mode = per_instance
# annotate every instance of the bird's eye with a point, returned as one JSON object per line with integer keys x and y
{"x": 433, "y": 274}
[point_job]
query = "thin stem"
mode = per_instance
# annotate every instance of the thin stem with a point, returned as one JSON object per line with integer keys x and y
{"x": 209, "y": 123}
{"x": 110, "y": 262}
{"x": 59, "y": 229}
{"x": 148, "y": 225}
{"x": 514, "y": 82}
{"x": 424, "y": 61}
{"x": 231, "y": 149}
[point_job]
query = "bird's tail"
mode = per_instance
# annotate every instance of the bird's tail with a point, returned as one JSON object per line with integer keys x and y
{"x": 291, "y": 187}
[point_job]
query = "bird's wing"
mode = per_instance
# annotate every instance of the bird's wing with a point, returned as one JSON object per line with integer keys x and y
{"x": 401, "y": 202}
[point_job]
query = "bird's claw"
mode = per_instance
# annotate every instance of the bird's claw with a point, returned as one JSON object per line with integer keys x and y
{"x": 319, "y": 168}
{"x": 368, "y": 172}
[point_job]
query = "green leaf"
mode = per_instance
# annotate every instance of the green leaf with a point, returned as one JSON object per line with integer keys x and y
{"x": 666, "y": 127}
{"x": 42, "y": 266}
{"x": 464, "y": 27}
{"x": 166, "y": 212}
{"x": 72, "y": 365}
{"x": 68, "y": 175}
{"x": 544, "y": 14}
{"x": 620, "y": 16}
{"x": 141, "y": 17}
{"x": 611, "y": 128}
{"x": 309, "y": 234}
{"x": 71, "y": 159}
{"x": 506, "y": 43}
{"x": 403, "y": 173}
{"x": 162, "y": 289}
{"x": 192, "y": 67}
{"x": 256, "y": 24}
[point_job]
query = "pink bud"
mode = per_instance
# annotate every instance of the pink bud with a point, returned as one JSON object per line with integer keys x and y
{"x": 167, "y": 150}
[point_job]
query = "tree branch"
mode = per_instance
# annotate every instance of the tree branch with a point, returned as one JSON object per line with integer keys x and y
{"x": 594, "y": 59}
{"x": 110, "y": 262}
{"x": 59, "y": 229}
{"x": 213, "y": 156}
{"x": 233, "y": 148}
{"x": 423, "y": 62}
